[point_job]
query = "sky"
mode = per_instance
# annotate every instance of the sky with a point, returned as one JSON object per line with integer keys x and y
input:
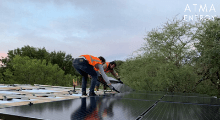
{"x": 113, "y": 29}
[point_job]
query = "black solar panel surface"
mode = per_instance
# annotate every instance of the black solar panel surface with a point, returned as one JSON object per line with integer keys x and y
{"x": 179, "y": 111}
{"x": 138, "y": 105}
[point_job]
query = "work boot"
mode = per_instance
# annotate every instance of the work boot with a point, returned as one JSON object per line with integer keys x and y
{"x": 84, "y": 93}
{"x": 92, "y": 94}
{"x": 105, "y": 87}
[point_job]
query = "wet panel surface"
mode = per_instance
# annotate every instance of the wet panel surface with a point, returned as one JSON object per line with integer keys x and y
{"x": 177, "y": 111}
{"x": 187, "y": 94}
{"x": 125, "y": 106}
{"x": 192, "y": 99}
{"x": 103, "y": 107}
{"x": 140, "y": 96}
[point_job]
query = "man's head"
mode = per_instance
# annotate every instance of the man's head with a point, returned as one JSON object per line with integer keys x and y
{"x": 102, "y": 59}
{"x": 112, "y": 65}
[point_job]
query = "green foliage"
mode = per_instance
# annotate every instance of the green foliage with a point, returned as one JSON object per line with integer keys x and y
{"x": 153, "y": 73}
{"x": 118, "y": 65}
{"x": 9, "y": 78}
{"x": 1, "y": 76}
{"x": 208, "y": 45}
{"x": 168, "y": 61}
{"x": 161, "y": 65}
{"x": 60, "y": 58}
{"x": 33, "y": 71}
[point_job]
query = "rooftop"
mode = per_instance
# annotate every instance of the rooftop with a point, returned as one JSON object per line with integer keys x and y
{"x": 59, "y": 103}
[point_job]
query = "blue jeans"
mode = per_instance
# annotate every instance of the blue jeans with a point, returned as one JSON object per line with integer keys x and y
{"x": 97, "y": 82}
{"x": 84, "y": 68}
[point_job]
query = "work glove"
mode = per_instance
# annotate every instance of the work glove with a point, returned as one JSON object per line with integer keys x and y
{"x": 120, "y": 81}
{"x": 111, "y": 87}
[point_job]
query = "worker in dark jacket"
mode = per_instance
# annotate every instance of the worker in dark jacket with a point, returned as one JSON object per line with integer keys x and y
{"x": 108, "y": 68}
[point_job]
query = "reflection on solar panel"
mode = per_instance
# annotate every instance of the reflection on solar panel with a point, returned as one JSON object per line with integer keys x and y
{"x": 125, "y": 106}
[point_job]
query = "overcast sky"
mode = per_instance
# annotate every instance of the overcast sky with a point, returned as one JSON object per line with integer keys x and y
{"x": 109, "y": 28}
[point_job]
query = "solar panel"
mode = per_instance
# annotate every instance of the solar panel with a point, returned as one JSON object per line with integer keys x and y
{"x": 118, "y": 86}
{"x": 138, "y": 105}
{"x": 178, "y": 111}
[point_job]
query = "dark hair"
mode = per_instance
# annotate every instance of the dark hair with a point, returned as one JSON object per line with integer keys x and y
{"x": 112, "y": 63}
{"x": 102, "y": 58}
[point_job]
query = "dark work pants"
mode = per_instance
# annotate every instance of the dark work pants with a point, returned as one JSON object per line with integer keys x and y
{"x": 84, "y": 68}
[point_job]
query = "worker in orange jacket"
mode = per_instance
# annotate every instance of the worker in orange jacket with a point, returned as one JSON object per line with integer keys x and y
{"x": 88, "y": 64}
{"x": 108, "y": 67}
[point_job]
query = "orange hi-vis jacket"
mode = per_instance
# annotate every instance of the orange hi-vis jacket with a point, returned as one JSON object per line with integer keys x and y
{"x": 92, "y": 61}
{"x": 106, "y": 69}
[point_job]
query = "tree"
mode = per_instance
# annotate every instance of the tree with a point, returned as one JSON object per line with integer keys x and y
{"x": 118, "y": 65}
{"x": 1, "y": 75}
{"x": 172, "y": 41}
{"x": 32, "y": 71}
{"x": 8, "y": 77}
{"x": 60, "y": 58}
{"x": 63, "y": 61}
{"x": 161, "y": 66}
{"x": 208, "y": 45}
